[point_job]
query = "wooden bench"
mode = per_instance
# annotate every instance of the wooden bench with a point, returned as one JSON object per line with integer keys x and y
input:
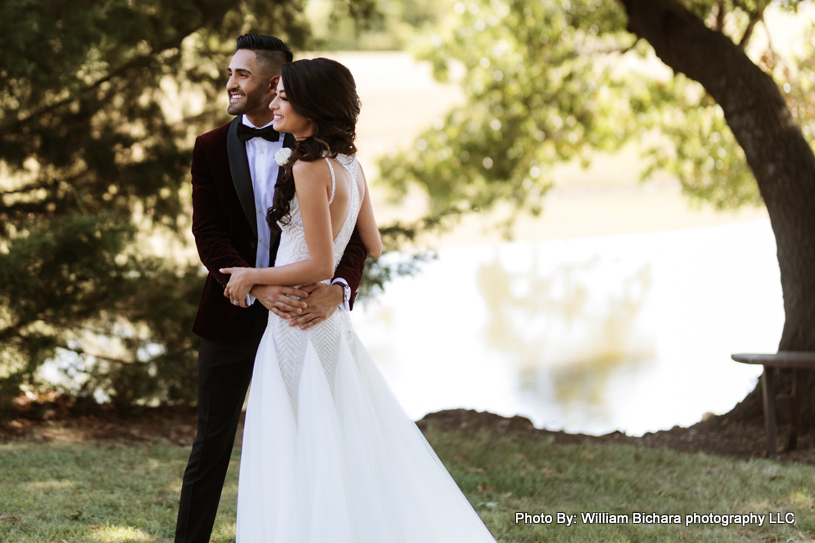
{"x": 794, "y": 360}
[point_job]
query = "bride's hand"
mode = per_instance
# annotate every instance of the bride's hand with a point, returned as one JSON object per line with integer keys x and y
{"x": 240, "y": 283}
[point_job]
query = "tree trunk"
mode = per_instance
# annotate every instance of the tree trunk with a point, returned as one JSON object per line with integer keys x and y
{"x": 779, "y": 156}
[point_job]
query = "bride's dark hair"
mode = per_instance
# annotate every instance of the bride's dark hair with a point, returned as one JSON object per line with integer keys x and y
{"x": 324, "y": 92}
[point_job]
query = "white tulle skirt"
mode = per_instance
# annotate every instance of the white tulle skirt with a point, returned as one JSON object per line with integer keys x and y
{"x": 329, "y": 456}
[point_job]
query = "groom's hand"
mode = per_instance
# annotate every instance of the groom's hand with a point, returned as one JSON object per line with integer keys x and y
{"x": 323, "y": 300}
{"x": 279, "y": 300}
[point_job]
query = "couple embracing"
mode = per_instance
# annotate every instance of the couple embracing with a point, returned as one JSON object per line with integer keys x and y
{"x": 283, "y": 222}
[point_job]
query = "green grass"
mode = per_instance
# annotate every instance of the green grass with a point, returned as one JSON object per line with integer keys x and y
{"x": 124, "y": 493}
{"x": 98, "y": 492}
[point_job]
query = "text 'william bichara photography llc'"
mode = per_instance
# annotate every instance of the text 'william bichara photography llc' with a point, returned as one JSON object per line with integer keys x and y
{"x": 686, "y": 519}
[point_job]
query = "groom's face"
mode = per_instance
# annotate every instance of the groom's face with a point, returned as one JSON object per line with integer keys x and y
{"x": 250, "y": 86}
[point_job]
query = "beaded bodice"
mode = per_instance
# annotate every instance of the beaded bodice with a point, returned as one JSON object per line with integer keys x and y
{"x": 293, "y": 247}
{"x": 291, "y": 343}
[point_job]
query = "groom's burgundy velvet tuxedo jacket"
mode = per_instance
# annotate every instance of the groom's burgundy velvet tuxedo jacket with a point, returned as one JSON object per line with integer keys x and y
{"x": 225, "y": 229}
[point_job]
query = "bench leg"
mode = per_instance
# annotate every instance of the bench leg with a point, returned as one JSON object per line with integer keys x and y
{"x": 768, "y": 386}
{"x": 795, "y": 409}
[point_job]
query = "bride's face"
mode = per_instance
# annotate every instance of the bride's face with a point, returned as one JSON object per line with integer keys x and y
{"x": 288, "y": 120}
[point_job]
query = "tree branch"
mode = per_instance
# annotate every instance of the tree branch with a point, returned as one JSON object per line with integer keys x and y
{"x": 720, "y": 17}
{"x": 136, "y": 62}
{"x": 15, "y": 126}
{"x": 210, "y": 16}
{"x": 774, "y": 145}
{"x": 769, "y": 37}
{"x": 755, "y": 17}
{"x": 43, "y": 183}
{"x": 83, "y": 352}
{"x": 409, "y": 232}
{"x": 607, "y": 51}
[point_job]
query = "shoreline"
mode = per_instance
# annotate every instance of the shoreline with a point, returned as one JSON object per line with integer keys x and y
{"x": 715, "y": 435}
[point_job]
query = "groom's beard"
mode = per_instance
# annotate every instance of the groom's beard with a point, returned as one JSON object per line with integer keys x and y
{"x": 248, "y": 102}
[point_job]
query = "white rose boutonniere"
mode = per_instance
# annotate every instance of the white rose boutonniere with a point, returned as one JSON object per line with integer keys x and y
{"x": 282, "y": 156}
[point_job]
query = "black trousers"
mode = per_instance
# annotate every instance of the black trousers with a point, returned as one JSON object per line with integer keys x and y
{"x": 224, "y": 372}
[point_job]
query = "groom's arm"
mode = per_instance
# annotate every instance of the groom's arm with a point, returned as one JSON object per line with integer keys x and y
{"x": 210, "y": 226}
{"x": 352, "y": 265}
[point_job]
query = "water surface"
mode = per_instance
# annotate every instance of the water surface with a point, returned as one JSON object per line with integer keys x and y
{"x": 627, "y": 332}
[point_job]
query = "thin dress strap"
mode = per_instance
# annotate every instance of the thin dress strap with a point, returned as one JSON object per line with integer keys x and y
{"x": 333, "y": 181}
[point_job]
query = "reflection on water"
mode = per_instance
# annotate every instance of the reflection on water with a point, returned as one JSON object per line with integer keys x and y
{"x": 627, "y": 332}
{"x": 563, "y": 328}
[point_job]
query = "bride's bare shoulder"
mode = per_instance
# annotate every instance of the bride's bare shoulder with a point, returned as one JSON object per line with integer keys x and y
{"x": 309, "y": 168}
{"x": 308, "y": 172}
{"x": 311, "y": 177}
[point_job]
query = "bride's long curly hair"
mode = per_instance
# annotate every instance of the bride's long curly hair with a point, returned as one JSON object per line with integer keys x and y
{"x": 323, "y": 91}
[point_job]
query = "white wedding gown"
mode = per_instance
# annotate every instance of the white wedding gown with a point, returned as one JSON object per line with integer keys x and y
{"x": 328, "y": 454}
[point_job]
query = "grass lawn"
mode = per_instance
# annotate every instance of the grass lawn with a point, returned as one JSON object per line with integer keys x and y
{"x": 77, "y": 492}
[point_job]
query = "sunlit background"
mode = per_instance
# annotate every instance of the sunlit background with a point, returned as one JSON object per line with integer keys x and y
{"x": 616, "y": 309}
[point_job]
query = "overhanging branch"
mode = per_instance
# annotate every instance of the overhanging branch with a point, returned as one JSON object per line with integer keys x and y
{"x": 755, "y": 17}
{"x": 720, "y": 16}
{"x": 83, "y": 352}
{"x": 137, "y": 62}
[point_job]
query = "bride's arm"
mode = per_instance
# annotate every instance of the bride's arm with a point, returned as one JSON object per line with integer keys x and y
{"x": 366, "y": 223}
{"x": 312, "y": 187}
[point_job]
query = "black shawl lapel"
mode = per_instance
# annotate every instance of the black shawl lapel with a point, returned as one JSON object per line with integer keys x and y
{"x": 288, "y": 140}
{"x": 241, "y": 176}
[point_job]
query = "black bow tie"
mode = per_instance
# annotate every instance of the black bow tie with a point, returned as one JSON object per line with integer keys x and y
{"x": 246, "y": 133}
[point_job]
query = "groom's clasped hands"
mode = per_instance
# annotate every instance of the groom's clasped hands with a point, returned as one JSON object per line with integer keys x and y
{"x": 285, "y": 302}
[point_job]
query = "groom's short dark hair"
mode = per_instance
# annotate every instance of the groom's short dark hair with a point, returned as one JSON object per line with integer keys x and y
{"x": 272, "y": 53}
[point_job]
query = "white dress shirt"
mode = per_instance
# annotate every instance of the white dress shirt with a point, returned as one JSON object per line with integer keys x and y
{"x": 263, "y": 170}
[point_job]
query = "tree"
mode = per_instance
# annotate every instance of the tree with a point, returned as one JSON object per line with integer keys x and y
{"x": 546, "y": 82}
{"x": 100, "y": 104}
{"x": 779, "y": 156}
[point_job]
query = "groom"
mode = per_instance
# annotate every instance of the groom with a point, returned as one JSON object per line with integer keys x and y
{"x": 233, "y": 178}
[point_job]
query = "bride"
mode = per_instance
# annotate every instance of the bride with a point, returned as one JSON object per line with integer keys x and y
{"x": 328, "y": 454}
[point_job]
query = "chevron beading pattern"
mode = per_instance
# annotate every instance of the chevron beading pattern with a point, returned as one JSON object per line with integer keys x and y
{"x": 291, "y": 343}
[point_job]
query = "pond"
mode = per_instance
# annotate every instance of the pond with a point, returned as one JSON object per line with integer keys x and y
{"x": 629, "y": 332}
